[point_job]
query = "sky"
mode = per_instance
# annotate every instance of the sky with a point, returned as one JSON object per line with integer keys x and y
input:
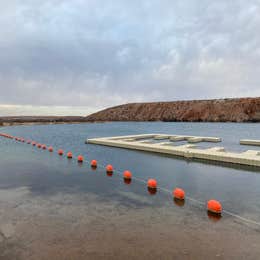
{"x": 63, "y": 57}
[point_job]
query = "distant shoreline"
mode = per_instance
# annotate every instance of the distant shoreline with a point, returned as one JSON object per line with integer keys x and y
{"x": 39, "y": 123}
{"x": 107, "y": 122}
{"x": 37, "y": 120}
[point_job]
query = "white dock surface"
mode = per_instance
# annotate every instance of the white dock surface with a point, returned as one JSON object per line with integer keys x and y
{"x": 189, "y": 150}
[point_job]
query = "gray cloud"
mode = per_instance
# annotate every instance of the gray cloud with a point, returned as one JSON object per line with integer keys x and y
{"x": 95, "y": 54}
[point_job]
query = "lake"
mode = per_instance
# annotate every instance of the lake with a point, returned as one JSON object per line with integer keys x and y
{"x": 54, "y": 208}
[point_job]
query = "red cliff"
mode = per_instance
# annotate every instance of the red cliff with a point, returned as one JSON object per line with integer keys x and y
{"x": 217, "y": 110}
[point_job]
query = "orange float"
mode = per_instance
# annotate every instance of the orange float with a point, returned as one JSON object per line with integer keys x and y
{"x": 214, "y": 207}
{"x": 152, "y": 183}
{"x": 44, "y": 147}
{"x": 39, "y": 145}
{"x": 28, "y": 142}
{"x": 179, "y": 194}
{"x": 60, "y": 152}
{"x": 80, "y": 158}
{"x": 152, "y": 186}
{"x": 109, "y": 168}
{"x": 50, "y": 149}
{"x": 127, "y": 175}
{"x": 93, "y": 163}
{"x": 33, "y": 143}
{"x": 69, "y": 155}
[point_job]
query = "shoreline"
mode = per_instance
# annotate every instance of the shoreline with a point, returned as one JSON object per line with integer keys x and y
{"x": 40, "y": 120}
{"x": 6, "y": 124}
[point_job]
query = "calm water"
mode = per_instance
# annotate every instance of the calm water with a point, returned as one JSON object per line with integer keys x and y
{"x": 55, "y": 204}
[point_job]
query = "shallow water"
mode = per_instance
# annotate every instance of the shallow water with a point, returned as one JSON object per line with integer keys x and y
{"x": 53, "y": 208}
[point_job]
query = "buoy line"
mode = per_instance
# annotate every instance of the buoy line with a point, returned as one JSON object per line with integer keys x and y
{"x": 110, "y": 169}
{"x": 186, "y": 197}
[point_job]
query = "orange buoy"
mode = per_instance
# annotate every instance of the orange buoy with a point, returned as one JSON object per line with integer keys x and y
{"x": 44, "y": 147}
{"x": 80, "y": 158}
{"x": 39, "y": 145}
{"x": 33, "y": 143}
{"x": 179, "y": 194}
{"x": 214, "y": 207}
{"x": 60, "y": 152}
{"x": 152, "y": 186}
{"x": 69, "y": 155}
{"x": 109, "y": 168}
{"x": 93, "y": 163}
{"x": 28, "y": 141}
{"x": 152, "y": 183}
{"x": 127, "y": 175}
{"x": 50, "y": 149}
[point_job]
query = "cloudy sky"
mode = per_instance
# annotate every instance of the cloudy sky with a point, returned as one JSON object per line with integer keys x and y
{"x": 75, "y": 57}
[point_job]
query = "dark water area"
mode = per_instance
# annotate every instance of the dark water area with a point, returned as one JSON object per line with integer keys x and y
{"x": 54, "y": 208}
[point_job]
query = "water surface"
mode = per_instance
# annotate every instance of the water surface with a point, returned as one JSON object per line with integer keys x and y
{"x": 53, "y": 208}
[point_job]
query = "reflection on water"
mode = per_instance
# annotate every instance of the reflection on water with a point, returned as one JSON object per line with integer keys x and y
{"x": 127, "y": 181}
{"x": 179, "y": 202}
{"x": 214, "y": 217}
{"x": 55, "y": 208}
{"x": 152, "y": 191}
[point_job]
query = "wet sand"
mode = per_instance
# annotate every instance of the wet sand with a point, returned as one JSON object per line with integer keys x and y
{"x": 72, "y": 225}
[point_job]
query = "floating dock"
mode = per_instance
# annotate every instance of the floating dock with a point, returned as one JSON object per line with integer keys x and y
{"x": 167, "y": 144}
{"x": 250, "y": 142}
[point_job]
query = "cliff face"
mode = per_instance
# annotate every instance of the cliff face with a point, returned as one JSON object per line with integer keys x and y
{"x": 218, "y": 110}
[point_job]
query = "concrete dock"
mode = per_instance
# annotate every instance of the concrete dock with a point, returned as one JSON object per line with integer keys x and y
{"x": 250, "y": 142}
{"x": 167, "y": 146}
